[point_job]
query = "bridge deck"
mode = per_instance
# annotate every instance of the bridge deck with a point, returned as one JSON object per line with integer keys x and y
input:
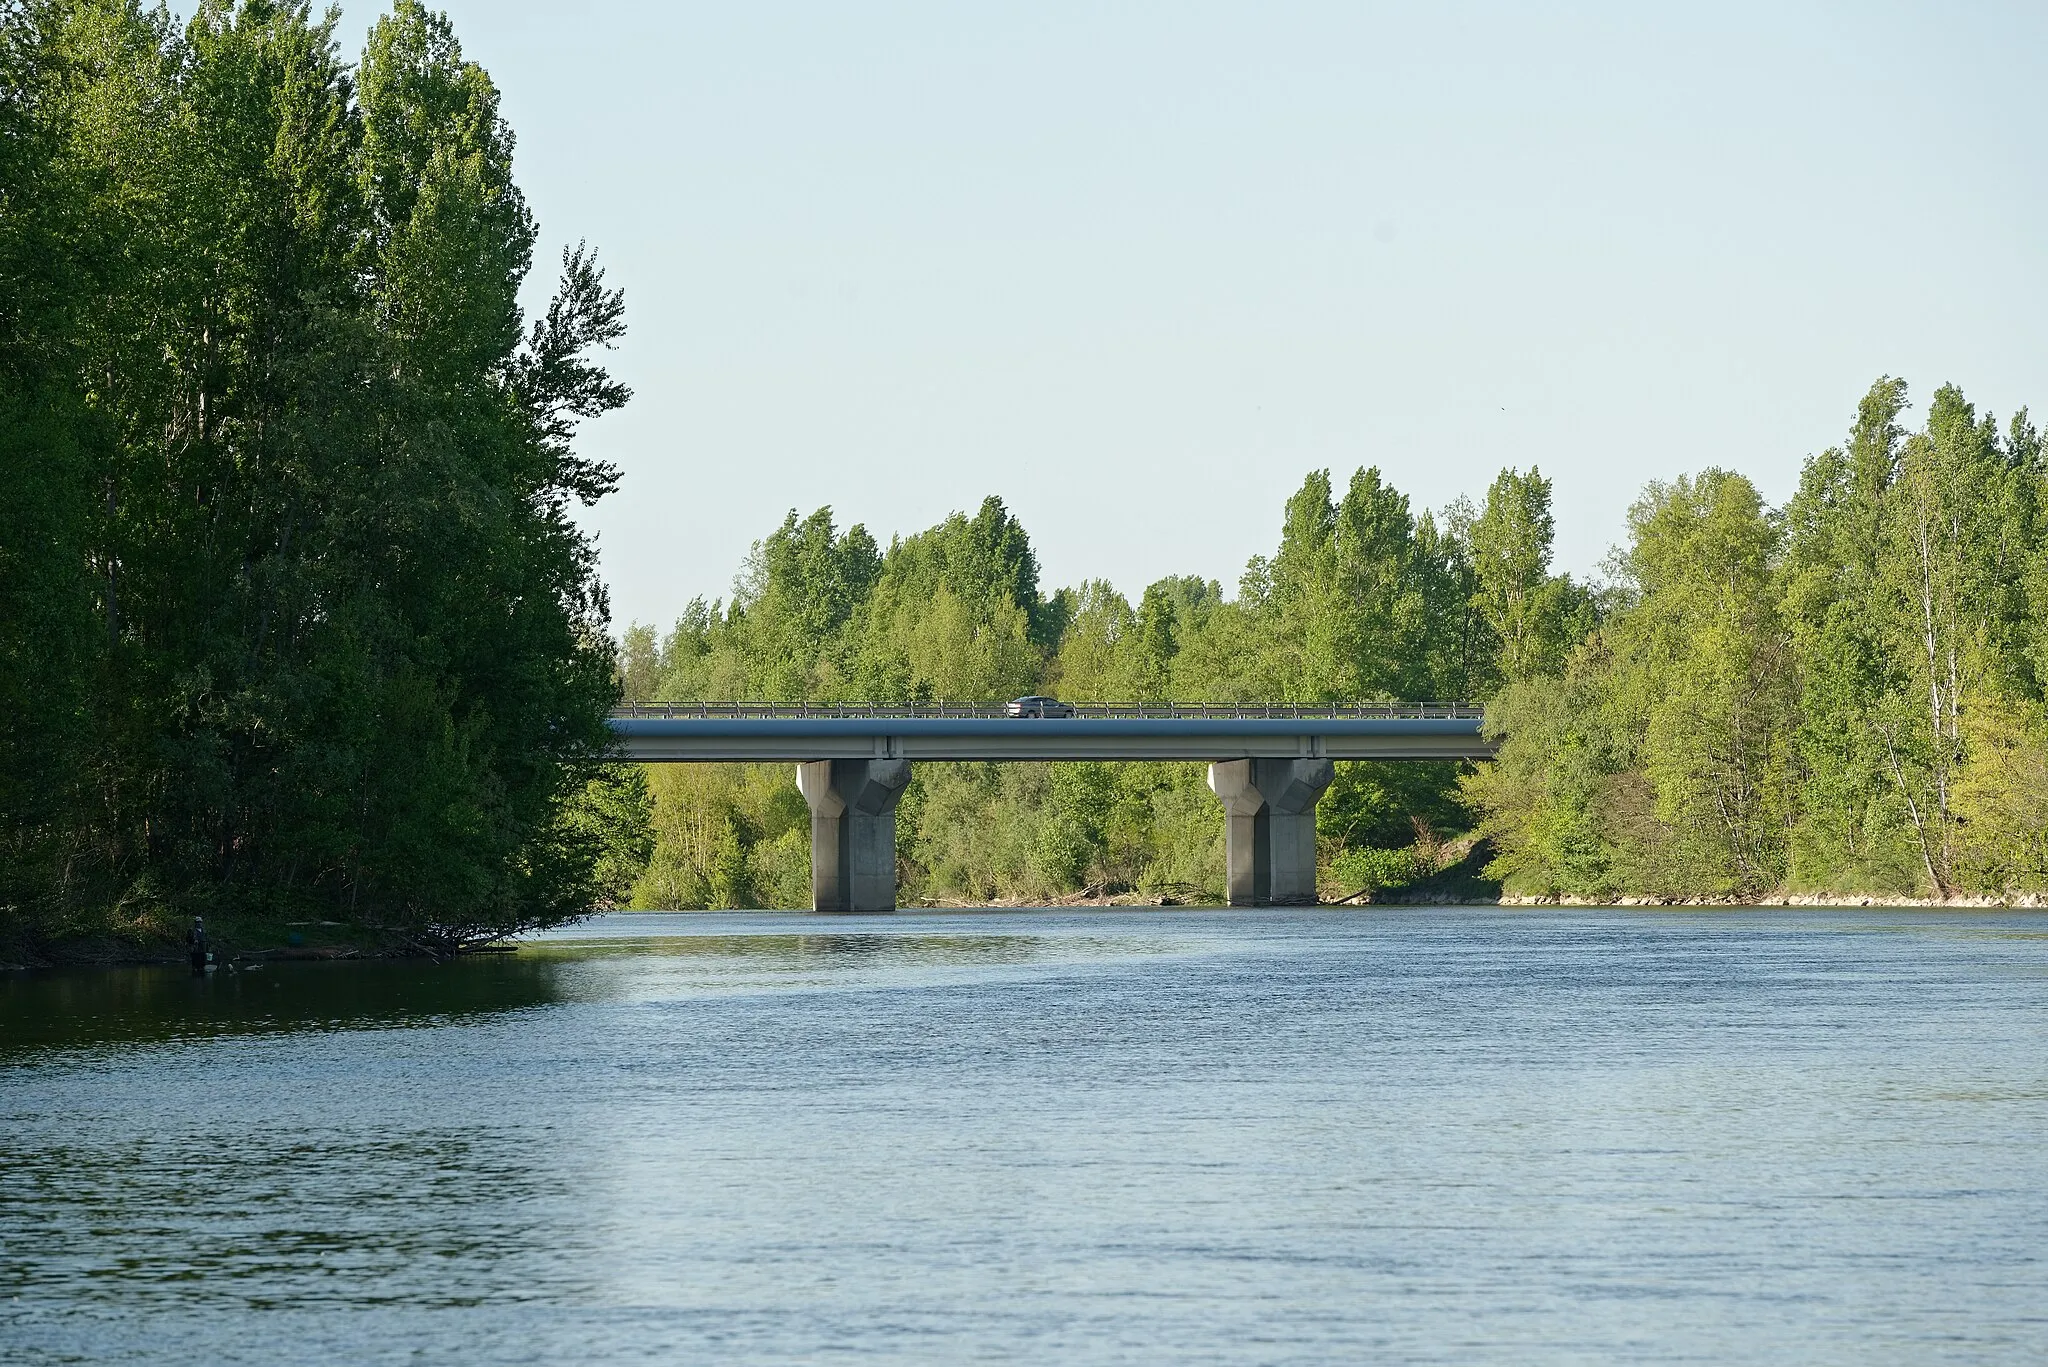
{"x": 724, "y": 732}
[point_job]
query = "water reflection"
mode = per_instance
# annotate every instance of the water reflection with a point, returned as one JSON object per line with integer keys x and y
{"x": 80, "y": 1008}
{"x": 71, "y": 1008}
{"x": 850, "y": 949}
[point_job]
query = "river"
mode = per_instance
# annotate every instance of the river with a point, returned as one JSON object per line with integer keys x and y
{"x": 1416, "y": 1136}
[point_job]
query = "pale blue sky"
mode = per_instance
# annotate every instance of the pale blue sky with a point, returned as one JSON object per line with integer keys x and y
{"x": 1137, "y": 268}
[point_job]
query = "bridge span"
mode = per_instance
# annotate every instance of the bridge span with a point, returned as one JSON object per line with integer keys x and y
{"x": 1268, "y": 766}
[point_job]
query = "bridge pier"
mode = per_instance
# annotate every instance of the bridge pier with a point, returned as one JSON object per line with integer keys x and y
{"x": 1269, "y": 812}
{"x": 853, "y": 831}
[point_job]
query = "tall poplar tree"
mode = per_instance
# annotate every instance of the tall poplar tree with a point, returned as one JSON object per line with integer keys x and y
{"x": 288, "y": 445}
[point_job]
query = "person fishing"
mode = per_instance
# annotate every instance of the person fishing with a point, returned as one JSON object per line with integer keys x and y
{"x": 195, "y": 944}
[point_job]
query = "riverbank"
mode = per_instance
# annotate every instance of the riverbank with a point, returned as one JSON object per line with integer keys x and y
{"x": 1791, "y": 901}
{"x": 1461, "y": 881}
{"x": 247, "y": 940}
{"x": 1394, "y": 897}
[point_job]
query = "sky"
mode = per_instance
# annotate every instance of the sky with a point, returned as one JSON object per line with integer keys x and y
{"x": 1138, "y": 268}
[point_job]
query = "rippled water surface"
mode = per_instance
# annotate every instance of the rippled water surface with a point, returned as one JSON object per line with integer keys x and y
{"x": 1446, "y": 1136}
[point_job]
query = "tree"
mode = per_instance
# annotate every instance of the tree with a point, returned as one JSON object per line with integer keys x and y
{"x": 1850, "y": 830}
{"x": 1701, "y": 676}
{"x": 1535, "y": 616}
{"x": 1156, "y": 643}
{"x": 1842, "y": 696}
{"x": 52, "y": 643}
{"x": 292, "y": 453}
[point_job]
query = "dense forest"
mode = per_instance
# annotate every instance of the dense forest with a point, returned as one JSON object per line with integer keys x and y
{"x": 295, "y": 625}
{"x": 1843, "y": 695}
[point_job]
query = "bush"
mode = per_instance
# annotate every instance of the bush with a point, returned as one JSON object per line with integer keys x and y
{"x": 1367, "y": 868}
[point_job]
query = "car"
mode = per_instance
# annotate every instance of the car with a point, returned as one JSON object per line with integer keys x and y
{"x": 1037, "y": 707}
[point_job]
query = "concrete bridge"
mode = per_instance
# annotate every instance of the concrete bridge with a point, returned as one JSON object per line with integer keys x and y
{"x": 1268, "y": 765}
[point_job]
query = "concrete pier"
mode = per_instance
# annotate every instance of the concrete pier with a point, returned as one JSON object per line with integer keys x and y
{"x": 1269, "y": 811}
{"x": 853, "y": 831}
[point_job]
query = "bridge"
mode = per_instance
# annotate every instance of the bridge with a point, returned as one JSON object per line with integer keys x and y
{"x": 1268, "y": 766}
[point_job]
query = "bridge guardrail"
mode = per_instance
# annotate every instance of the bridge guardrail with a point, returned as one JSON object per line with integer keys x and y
{"x": 1400, "y": 711}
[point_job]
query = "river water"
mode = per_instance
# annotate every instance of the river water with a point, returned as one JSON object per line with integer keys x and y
{"x": 1436, "y": 1136}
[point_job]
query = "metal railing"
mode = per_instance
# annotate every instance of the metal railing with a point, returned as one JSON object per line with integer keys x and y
{"x": 1226, "y": 711}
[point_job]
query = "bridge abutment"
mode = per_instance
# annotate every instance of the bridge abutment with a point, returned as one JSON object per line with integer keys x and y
{"x": 1269, "y": 812}
{"x": 853, "y": 831}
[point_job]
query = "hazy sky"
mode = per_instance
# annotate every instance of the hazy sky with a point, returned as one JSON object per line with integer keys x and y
{"x": 1138, "y": 268}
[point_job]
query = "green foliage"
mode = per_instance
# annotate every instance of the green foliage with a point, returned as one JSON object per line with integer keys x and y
{"x": 1363, "y": 601}
{"x": 731, "y": 835}
{"x": 614, "y": 817}
{"x": 1759, "y": 707}
{"x": 2001, "y": 799}
{"x": 1368, "y": 868}
{"x": 293, "y": 616}
{"x": 1548, "y": 799}
{"x": 1842, "y": 696}
{"x": 1534, "y": 616}
{"x": 52, "y": 645}
{"x": 1381, "y": 803}
{"x": 1699, "y": 680}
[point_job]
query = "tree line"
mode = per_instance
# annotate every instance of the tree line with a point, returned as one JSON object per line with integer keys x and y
{"x": 294, "y": 621}
{"x": 1842, "y": 695}
{"x": 1365, "y": 598}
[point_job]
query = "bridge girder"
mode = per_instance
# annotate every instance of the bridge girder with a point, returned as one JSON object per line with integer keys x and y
{"x": 665, "y": 740}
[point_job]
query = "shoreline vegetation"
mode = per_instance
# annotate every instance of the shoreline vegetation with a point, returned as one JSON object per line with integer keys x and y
{"x": 1835, "y": 702}
{"x": 298, "y": 631}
